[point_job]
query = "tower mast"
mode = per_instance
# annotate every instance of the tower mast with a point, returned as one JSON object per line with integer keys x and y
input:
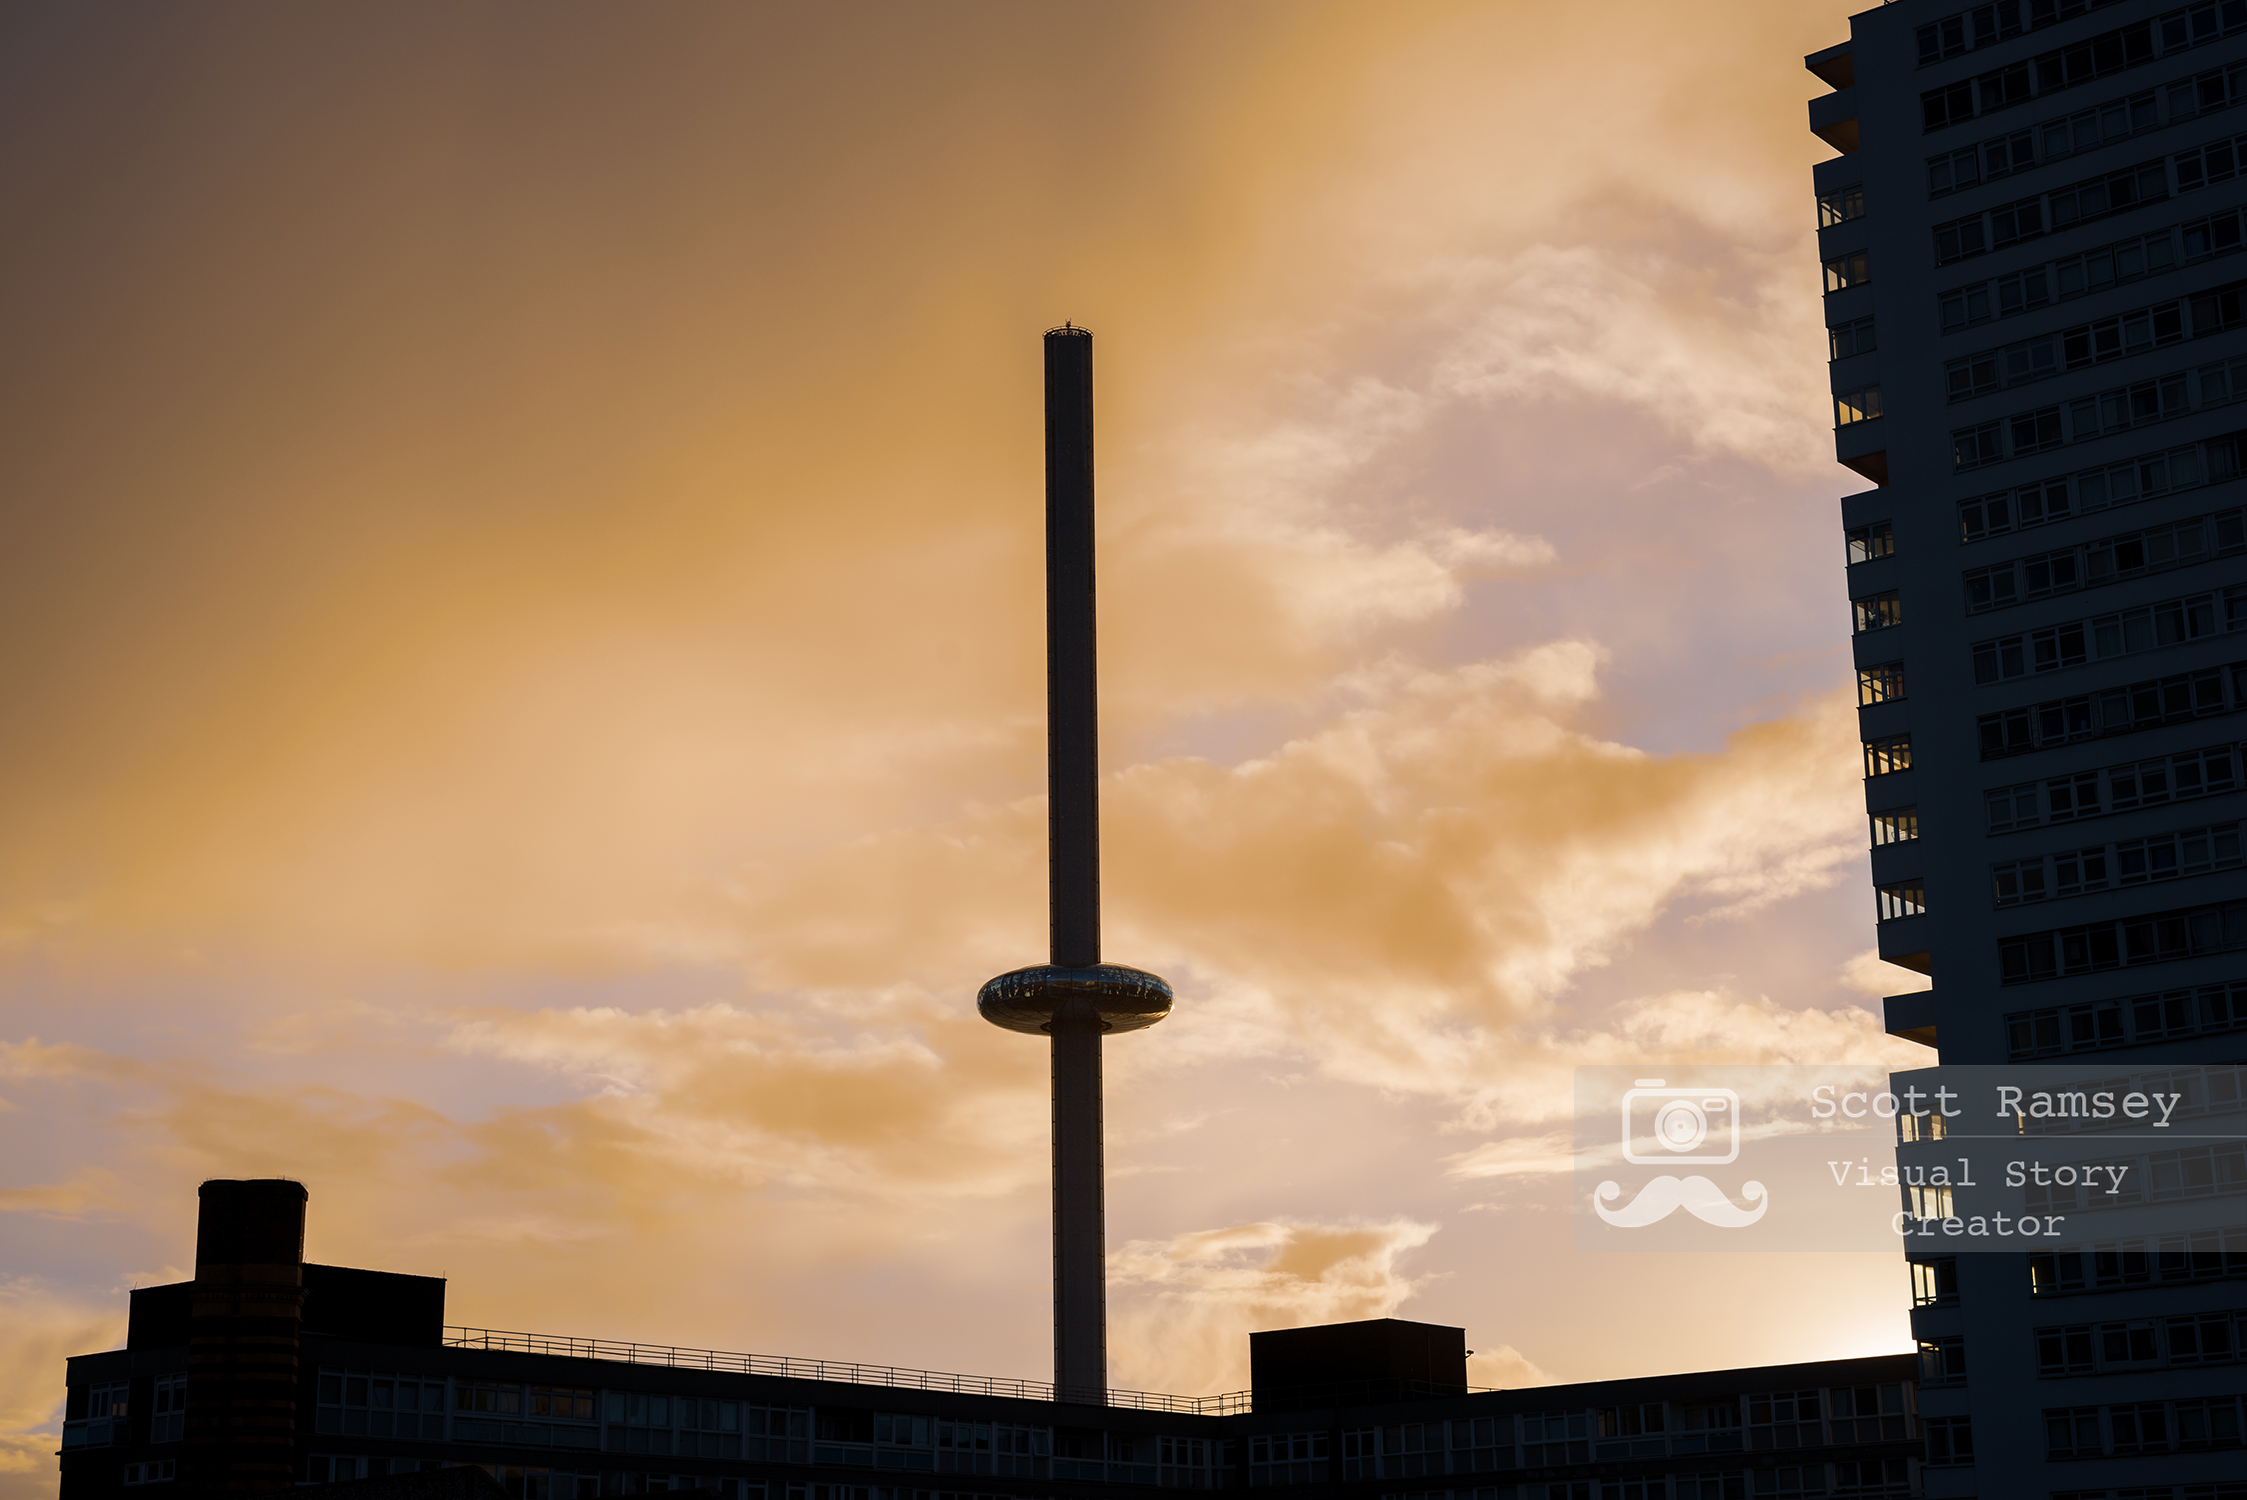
{"x": 1075, "y": 999}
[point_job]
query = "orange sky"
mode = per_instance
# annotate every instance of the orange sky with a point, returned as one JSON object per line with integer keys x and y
{"x": 519, "y": 617}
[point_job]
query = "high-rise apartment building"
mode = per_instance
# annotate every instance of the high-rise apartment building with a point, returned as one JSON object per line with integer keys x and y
{"x": 2033, "y": 288}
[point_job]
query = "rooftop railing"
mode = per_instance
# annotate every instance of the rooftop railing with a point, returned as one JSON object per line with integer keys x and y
{"x": 846, "y": 1372}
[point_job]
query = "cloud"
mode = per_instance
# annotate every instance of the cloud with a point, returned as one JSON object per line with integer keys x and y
{"x": 1868, "y": 974}
{"x": 44, "y": 1327}
{"x": 887, "y": 1095}
{"x": 1521, "y": 1156}
{"x": 1504, "y": 1368}
{"x": 1183, "y": 1307}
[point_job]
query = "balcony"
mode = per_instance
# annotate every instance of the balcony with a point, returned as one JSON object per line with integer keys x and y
{"x": 1911, "y": 1017}
{"x": 1833, "y": 119}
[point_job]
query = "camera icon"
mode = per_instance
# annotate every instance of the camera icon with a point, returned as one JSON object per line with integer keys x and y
{"x": 1689, "y": 1126}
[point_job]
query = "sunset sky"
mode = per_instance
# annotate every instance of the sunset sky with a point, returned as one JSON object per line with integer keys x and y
{"x": 520, "y": 644}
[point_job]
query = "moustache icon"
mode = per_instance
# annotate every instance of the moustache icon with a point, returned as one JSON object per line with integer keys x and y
{"x": 1696, "y": 1195}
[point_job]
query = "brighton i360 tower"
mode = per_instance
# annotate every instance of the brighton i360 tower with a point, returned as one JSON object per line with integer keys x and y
{"x": 1076, "y": 999}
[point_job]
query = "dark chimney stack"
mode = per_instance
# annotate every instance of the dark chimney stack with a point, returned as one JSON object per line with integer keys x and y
{"x": 248, "y": 1309}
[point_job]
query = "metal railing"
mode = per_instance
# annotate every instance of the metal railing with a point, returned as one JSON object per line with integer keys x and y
{"x": 671, "y": 1356}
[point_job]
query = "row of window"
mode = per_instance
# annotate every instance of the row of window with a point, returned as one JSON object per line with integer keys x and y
{"x": 2104, "y": 560}
{"x": 2141, "y": 1427}
{"x": 2084, "y": 130}
{"x": 2131, "y": 709}
{"x": 2088, "y": 129}
{"x": 2140, "y": 1343}
{"x": 2191, "y": 1172}
{"x": 1761, "y": 1421}
{"x": 2161, "y": 937}
{"x": 2079, "y": 275}
{"x": 2144, "y": 477}
{"x": 1954, "y": 35}
{"x": 2177, "y": 777}
{"x": 2234, "y": 1491}
{"x": 2115, "y": 866}
{"x": 2075, "y": 348}
{"x": 2101, "y": 1025}
{"x": 1870, "y": 542}
{"x": 2140, "y": 404}
{"x": 94, "y": 1416}
{"x": 2080, "y": 202}
{"x": 2147, "y": 627}
{"x": 2071, "y": 644}
{"x": 2096, "y": 57}
{"x": 2164, "y": 1260}
{"x": 1861, "y": 1478}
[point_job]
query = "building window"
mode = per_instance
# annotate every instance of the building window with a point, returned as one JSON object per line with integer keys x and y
{"x": 2064, "y": 1351}
{"x": 1867, "y": 543}
{"x": 2013, "y": 222}
{"x": 1965, "y": 306}
{"x": 1950, "y": 1440}
{"x": 2012, "y": 807}
{"x": 2161, "y": 937}
{"x": 1852, "y": 407}
{"x": 1841, "y": 205}
{"x": 1880, "y": 684}
{"x": 1550, "y": 1439}
{"x": 1865, "y": 1413}
{"x": 2218, "y": 161}
{"x": 2008, "y": 154}
{"x": 2123, "y": 633}
{"x": 95, "y": 1415}
{"x": 1294, "y": 1458}
{"x": 2087, "y": 129}
{"x": 1946, "y": 106}
{"x": 2072, "y": 1432}
{"x": 356, "y": 1403}
{"x": 1845, "y": 271}
{"x": 1846, "y": 339}
{"x": 2129, "y": 709}
{"x": 1959, "y": 239}
{"x": 1942, "y": 1361}
{"x": 1953, "y": 170}
{"x": 167, "y": 1422}
{"x": 1902, "y": 898}
{"x": 1947, "y": 37}
{"x": 2035, "y": 431}
{"x": 1784, "y": 1419}
{"x": 1974, "y": 375}
{"x": 1706, "y": 1427}
{"x": 2212, "y": 236}
{"x": 1934, "y": 1282}
{"x": 1974, "y": 446}
{"x": 1877, "y": 611}
{"x": 1898, "y": 825}
{"x": 2124, "y": 260}
{"x": 1888, "y": 753}
{"x": 2125, "y": 407}
{"x": 159, "y": 1471}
